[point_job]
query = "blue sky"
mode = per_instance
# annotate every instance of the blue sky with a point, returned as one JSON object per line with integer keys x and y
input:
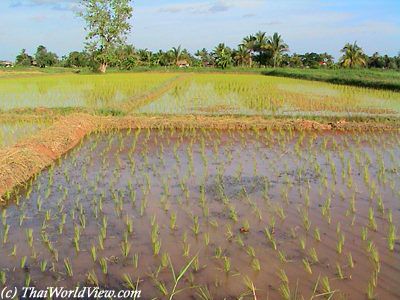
{"x": 306, "y": 25}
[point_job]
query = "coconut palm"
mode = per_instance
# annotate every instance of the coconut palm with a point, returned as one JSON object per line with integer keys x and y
{"x": 353, "y": 56}
{"x": 277, "y": 46}
{"x": 177, "y": 54}
{"x": 261, "y": 41}
{"x": 242, "y": 56}
{"x": 249, "y": 43}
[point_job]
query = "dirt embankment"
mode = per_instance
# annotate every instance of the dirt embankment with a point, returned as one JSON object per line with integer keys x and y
{"x": 22, "y": 161}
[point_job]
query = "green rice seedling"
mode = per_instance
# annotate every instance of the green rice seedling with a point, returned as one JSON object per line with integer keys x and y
{"x": 29, "y": 237}
{"x": 255, "y": 264}
{"x": 339, "y": 271}
{"x": 371, "y": 291}
{"x": 14, "y": 251}
{"x": 204, "y": 293}
{"x": 103, "y": 265}
{"x": 283, "y": 277}
{"x": 27, "y": 280}
{"x": 92, "y": 279}
{"x": 392, "y": 237}
{"x": 22, "y": 263}
{"x": 101, "y": 242}
{"x": 374, "y": 255}
{"x": 306, "y": 220}
{"x": 161, "y": 286}
{"x": 364, "y": 233}
{"x": 251, "y": 252}
{"x": 3, "y": 278}
{"x": 303, "y": 243}
{"x": 226, "y": 264}
{"x": 313, "y": 255}
{"x": 128, "y": 282}
{"x": 5, "y": 234}
{"x": 135, "y": 260}
{"x": 317, "y": 235}
{"x": 125, "y": 248}
{"x": 206, "y": 238}
{"x": 282, "y": 256}
{"x": 93, "y": 253}
{"x": 172, "y": 221}
{"x": 196, "y": 226}
{"x": 186, "y": 249}
{"x": 164, "y": 260}
{"x": 350, "y": 260}
{"x": 270, "y": 237}
{"x": 326, "y": 288}
{"x": 372, "y": 222}
{"x": 68, "y": 267}
{"x": 229, "y": 233}
{"x": 307, "y": 265}
{"x": 43, "y": 266}
{"x": 233, "y": 214}
{"x": 340, "y": 243}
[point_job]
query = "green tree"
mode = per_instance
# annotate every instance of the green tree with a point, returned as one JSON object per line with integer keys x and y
{"x": 249, "y": 43}
{"x": 23, "y": 59}
{"x": 107, "y": 26}
{"x": 223, "y": 56}
{"x": 45, "y": 58}
{"x": 242, "y": 56}
{"x": 353, "y": 56}
{"x": 277, "y": 46}
{"x": 76, "y": 59}
{"x": 176, "y": 54}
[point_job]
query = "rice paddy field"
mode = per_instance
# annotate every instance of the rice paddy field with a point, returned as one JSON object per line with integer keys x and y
{"x": 196, "y": 212}
{"x": 13, "y": 132}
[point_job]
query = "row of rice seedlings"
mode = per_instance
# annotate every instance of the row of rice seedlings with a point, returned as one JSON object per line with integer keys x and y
{"x": 77, "y": 91}
{"x": 243, "y": 94}
{"x": 122, "y": 180}
{"x": 11, "y": 133}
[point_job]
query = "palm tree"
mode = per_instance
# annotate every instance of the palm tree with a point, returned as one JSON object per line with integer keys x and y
{"x": 261, "y": 41}
{"x": 242, "y": 56}
{"x": 249, "y": 43}
{"x": 353, "y": 56}
{"x": 277, "y": 46}
{"x": 177, "y": 54}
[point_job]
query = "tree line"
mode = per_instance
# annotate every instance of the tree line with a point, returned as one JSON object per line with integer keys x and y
{"x": 127, "y": 57}
{"x": 108, "y": 26}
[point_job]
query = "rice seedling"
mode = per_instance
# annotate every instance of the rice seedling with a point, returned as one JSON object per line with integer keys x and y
{"x": 104, "y": 265}
{"x": 307, "y": 265}
{"x": 68, "y": 267}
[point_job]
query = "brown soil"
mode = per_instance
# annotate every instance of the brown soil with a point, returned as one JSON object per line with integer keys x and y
{"x": 22, "y": 161}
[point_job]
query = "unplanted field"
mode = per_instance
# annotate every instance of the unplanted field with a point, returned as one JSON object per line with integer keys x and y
{"x": 276, "y": 214}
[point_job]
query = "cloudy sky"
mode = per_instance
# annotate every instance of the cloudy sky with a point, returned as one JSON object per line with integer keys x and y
{"x": 306, "y": 25}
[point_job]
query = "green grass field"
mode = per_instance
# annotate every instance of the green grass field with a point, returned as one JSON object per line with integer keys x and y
{"x": 377, "y": 79}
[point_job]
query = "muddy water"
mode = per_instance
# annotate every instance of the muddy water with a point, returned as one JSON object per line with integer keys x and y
{"x": 236, "y": 184}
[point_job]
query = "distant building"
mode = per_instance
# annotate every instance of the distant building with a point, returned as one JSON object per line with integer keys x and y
{"x": 183, "y": 63}
{"x": 6, "y": 64}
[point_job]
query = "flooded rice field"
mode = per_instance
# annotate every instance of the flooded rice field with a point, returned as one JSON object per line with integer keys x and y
{"x": 272, "y": 96}
{"x": 13, "y": 132}
{"x": 89, "y": 91}
{"x": 252, "y": 214}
